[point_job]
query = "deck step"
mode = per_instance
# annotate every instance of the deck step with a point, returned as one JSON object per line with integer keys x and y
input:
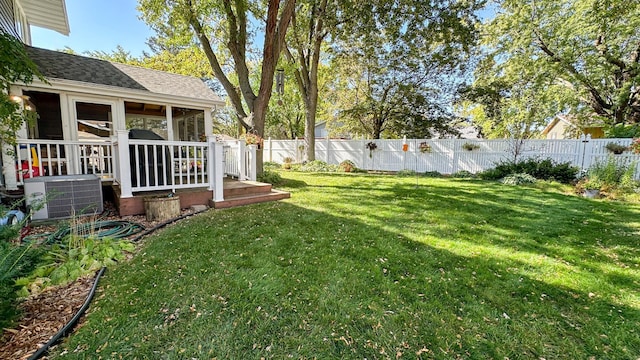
{"x": 240, "y": 200}
{"x": 242, "y": 188}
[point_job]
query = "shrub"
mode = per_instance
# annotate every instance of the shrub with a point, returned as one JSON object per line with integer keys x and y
{"x": 406, "y": 173}
{"x": 434, "y": 174}
{"x": 347, "y": 166}
{"x": 463, "y": 174}
{"x": 546, "y": 169}
{"x": 612, "y": 175}
{"x": 270, "y": 166}
{"x": 318, "y": 166}
{"x": 270, "y": 177}
{"x": 518, "y": 179}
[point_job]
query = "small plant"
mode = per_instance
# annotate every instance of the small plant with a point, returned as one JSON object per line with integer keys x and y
{"x": 270, "y": 177}
{"x": 271, "y": 165}
{"x": 318, "y": 166}
{"x": 610, "y": 177}
{"x": 347, "y": 166}
{"x": 518, "y": 179}
{"x": 371, "y": 146}
{"x": 592, "y": 183}
{"x": 286, "y": 163}
{"x": 406, "y": 173}
{"x": 635, "y": 146}
{"x": 433, "y": 174}
{"x": 253, "y": 139}
{"x": 470, "y": 146}
{"x": 424, "y": 147}
{"x": 463, "y": 174}
{"x": 616, "y": 148}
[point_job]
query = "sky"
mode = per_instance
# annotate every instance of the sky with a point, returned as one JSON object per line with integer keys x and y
{"x": 98, "y": 25}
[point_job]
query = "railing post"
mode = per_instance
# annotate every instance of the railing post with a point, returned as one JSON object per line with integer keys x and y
{"x": 123, "y": 161}
{"x": 216, "y": 168}
{"x": 242, "y": 167}
{"x": 251, "y": 163}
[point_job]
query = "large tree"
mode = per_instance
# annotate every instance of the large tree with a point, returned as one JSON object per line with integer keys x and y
{"x": 401, "y": 64}
{"x": 564, "y": 56}
{"x": 223, "y": 30}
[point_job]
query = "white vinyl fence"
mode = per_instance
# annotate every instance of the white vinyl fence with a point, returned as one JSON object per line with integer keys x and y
{"x": 448, "y": 156}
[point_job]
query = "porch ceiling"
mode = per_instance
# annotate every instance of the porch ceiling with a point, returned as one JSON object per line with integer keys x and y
{"x": 49, "y": 14}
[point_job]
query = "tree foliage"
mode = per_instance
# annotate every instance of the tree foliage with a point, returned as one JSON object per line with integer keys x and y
{"x": 402, "y": 63}
{"x": 15, "y": 67}
{"x": 560, "y": 56}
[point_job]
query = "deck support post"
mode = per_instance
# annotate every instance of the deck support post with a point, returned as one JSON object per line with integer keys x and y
{"x": 124, "y": 172}
{"x": 216, "y": 168}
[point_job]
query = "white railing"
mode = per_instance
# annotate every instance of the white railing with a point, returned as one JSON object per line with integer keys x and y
{"x": 448, "y": 156}
{"x": 55, "y": 157}
{"x": 139, "y": 165}
{"x": 240, "y": 160}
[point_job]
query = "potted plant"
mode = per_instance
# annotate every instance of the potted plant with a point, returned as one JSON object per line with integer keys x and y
{"x": 424, "y": 147}
{"x": 470, "y": 146}
{"x": 371, "y": 146}
{"x": 616, "y": 148}
{"x": 592, "y": 187}
{"x": 347, "y": 166}
{"x": 286, "y": 163}
{"x": 253, "y": 139}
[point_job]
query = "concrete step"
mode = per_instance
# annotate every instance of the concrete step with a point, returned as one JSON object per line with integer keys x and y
{"x": 240, "y": 200}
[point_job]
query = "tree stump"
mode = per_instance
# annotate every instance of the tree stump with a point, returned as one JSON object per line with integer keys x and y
{"x": 161, "y": 208}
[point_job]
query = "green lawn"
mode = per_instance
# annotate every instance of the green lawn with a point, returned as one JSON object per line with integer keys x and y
{"x": 365, "y": 266}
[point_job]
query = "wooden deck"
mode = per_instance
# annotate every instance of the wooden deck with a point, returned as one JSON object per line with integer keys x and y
{"x": 236, "y": 193}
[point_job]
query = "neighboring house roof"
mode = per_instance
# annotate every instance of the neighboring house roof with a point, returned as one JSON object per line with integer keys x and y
{"x": 558, "y": 118}
{"x": 49, "y": 14}
{"x": 570, "y": 121}
{"x": 59, "y": 65}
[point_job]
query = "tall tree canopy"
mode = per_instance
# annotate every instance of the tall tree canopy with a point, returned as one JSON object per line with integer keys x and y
{"x": 223, "y": 30}
{"x": 559, "y": 56}
{"x": 404, "y": 61}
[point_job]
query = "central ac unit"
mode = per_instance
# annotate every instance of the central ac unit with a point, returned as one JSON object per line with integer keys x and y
{"x": 56, "y": 197}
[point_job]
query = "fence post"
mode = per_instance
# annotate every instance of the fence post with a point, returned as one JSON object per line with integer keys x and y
{"x": 216, "y": 172}
{"x": 242, "y": 168}
{"x": 270, "y": 152}
{"x": 124, "y": 159}
{"x": 328, "y": 154}
{"x": 251, "y": 163}
{"x": 585, "y": 152}
{"x": 404, "y": 153}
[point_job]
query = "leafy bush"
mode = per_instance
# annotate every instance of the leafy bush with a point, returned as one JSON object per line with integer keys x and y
{"x": 270, "y": 177}
{"x": 623, "y": 131}
{"x": 434, "y": 174}
{"x": 406, "y": 173}
{"x": 462, "y": 174}
{"x": 546, "y": 169}
{"x": 270, "y": 166}
{"x": 318, "y": 166}
{"x": 518, "y": 179}
{"x": 72, "y": 258}
{"x": 612, "y": 175}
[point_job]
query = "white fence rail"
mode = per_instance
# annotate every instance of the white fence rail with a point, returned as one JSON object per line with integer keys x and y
{"x": 138, "y": 165}
{"x": 448, "y": 156}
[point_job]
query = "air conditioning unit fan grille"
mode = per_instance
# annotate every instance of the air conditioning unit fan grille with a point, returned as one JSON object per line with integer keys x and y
{"x": 65, "y": 196}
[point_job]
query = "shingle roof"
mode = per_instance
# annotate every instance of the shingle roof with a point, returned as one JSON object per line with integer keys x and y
{"x": 59, "y": 65}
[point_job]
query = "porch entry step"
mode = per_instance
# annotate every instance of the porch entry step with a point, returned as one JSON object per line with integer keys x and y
{"x": 240, "y": 200}
{"x": 240, "y": 188}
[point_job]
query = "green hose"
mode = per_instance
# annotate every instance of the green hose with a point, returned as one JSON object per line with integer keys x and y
{"x": 99, "y": 229}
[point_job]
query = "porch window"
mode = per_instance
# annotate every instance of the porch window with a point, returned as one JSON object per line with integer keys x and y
{"x": 147, "y": 116}
{"x": 190, "y": 124}
{"x": 94, "y": 120}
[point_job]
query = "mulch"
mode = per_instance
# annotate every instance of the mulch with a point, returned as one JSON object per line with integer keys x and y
{"x": 46, "y": 313}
